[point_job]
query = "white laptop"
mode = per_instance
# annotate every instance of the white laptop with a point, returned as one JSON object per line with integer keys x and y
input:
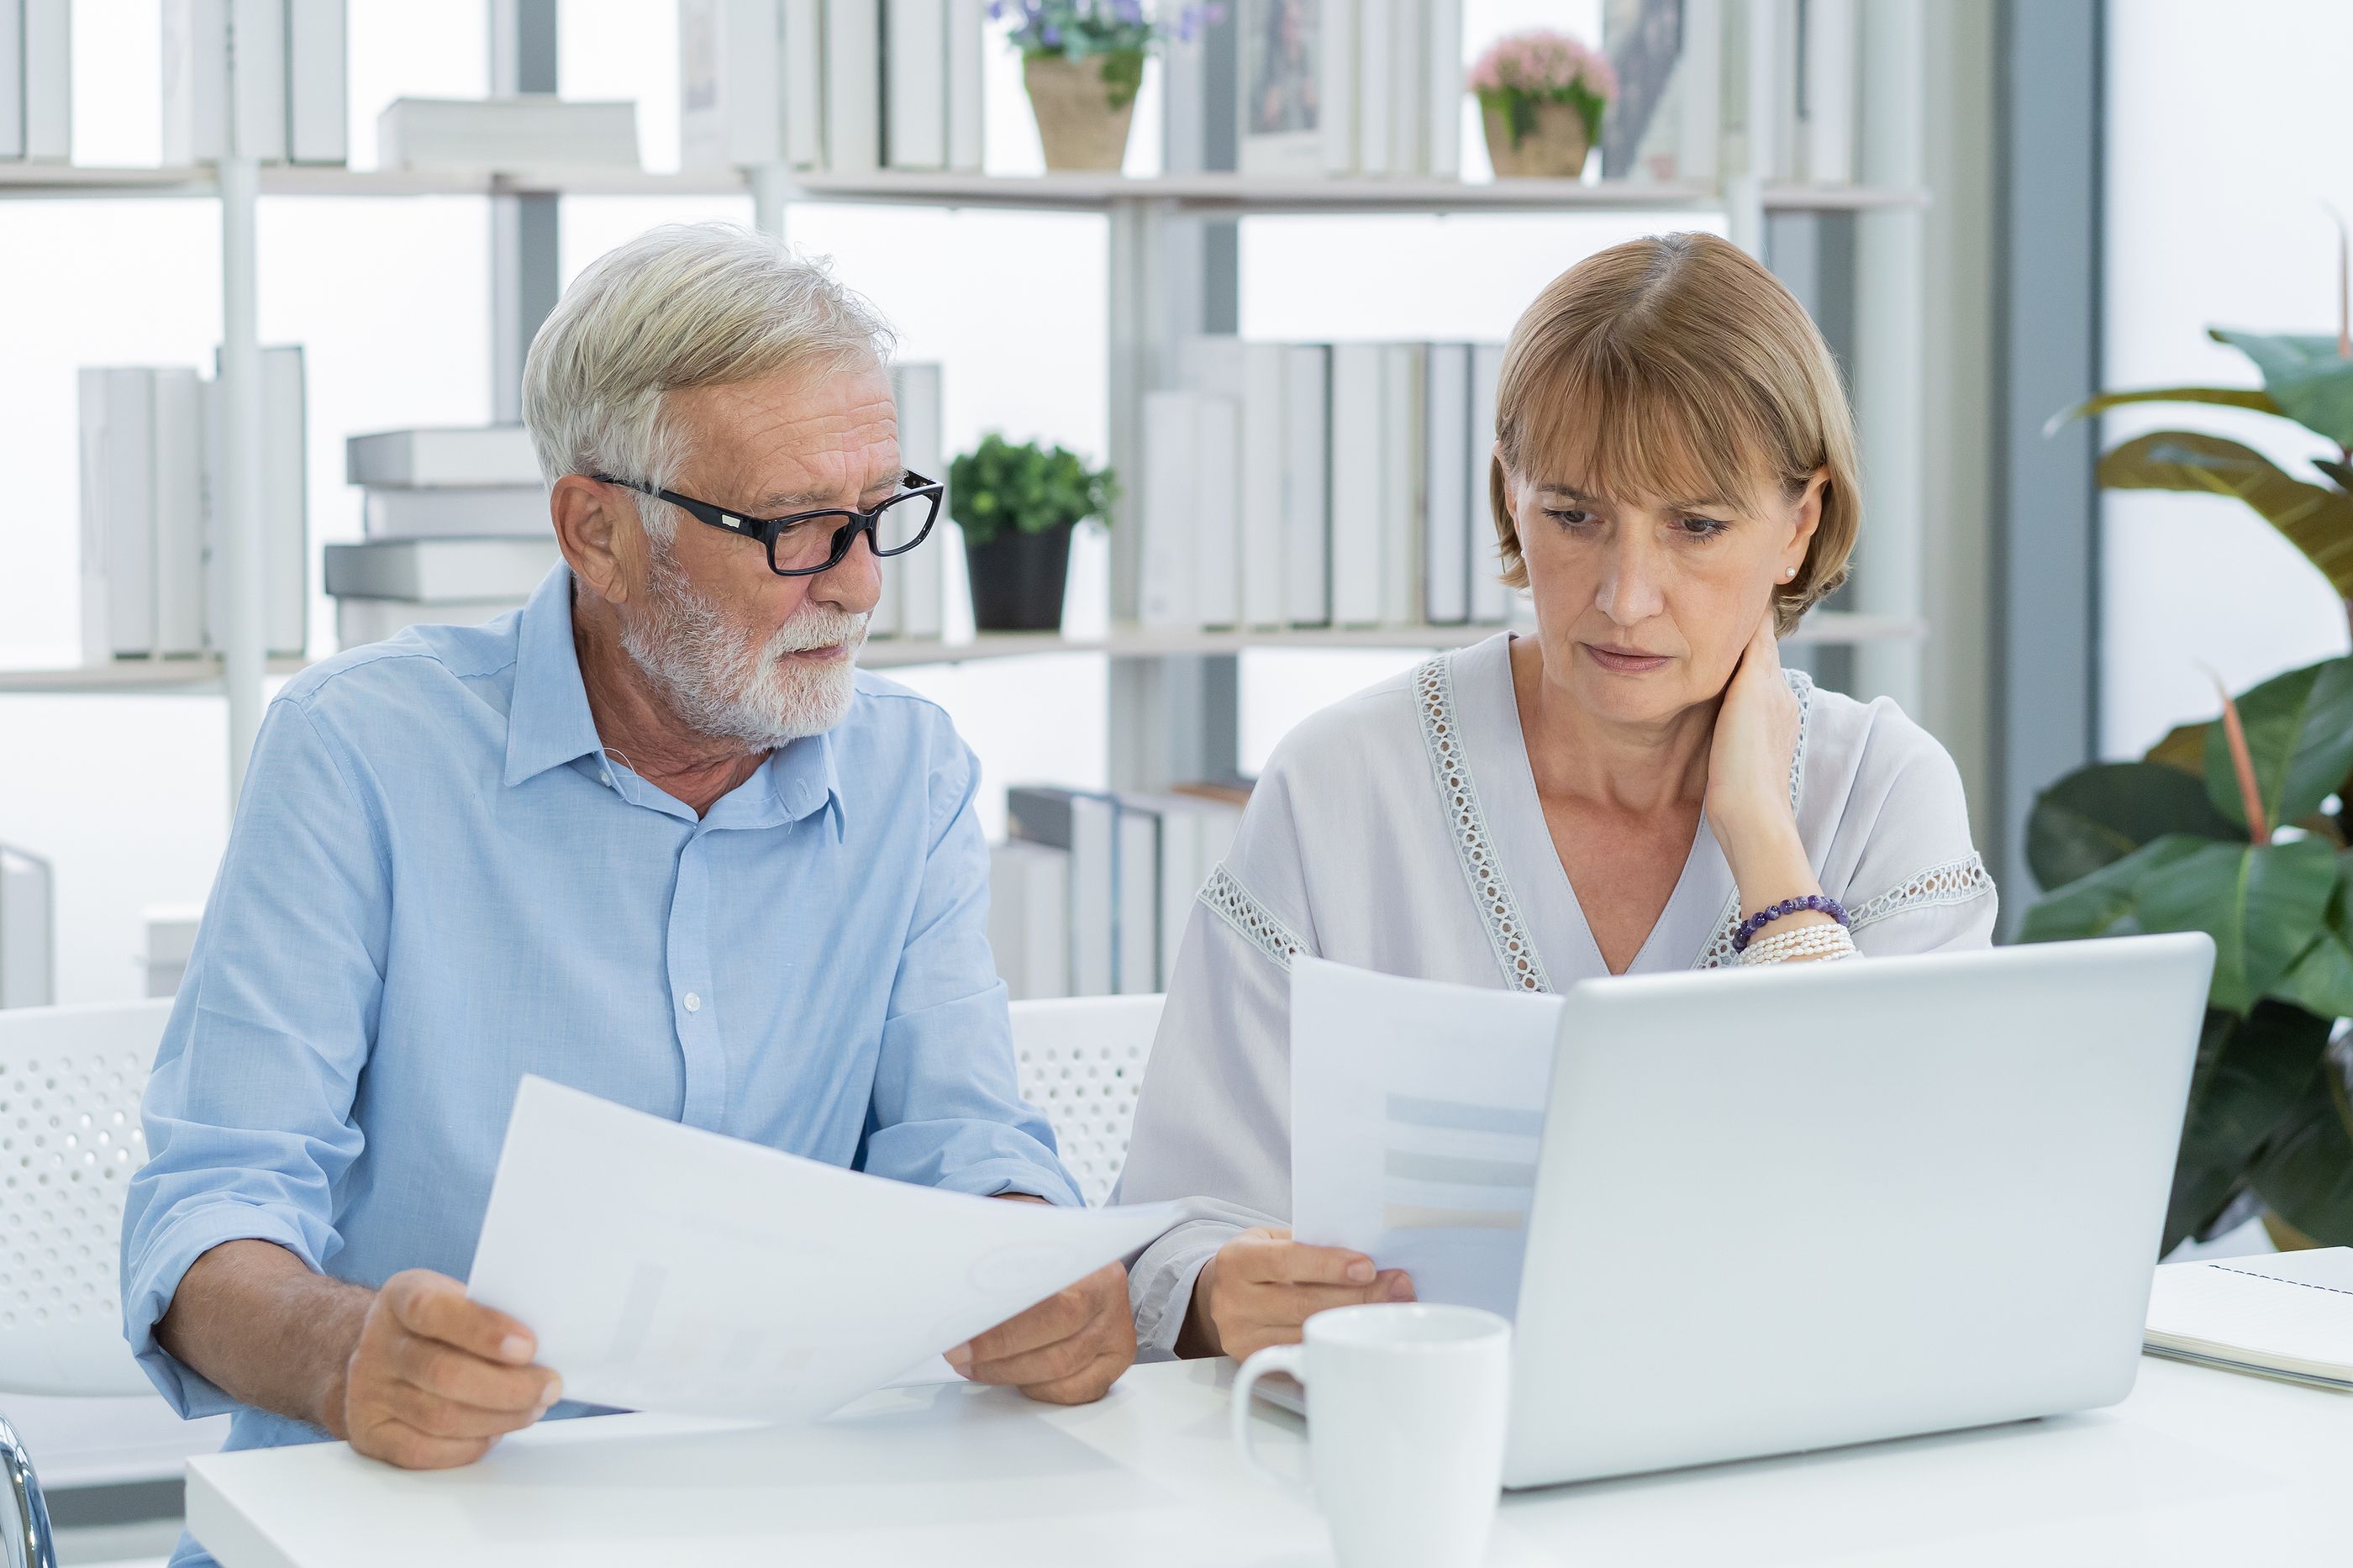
{"x": 1812, "y": 1205}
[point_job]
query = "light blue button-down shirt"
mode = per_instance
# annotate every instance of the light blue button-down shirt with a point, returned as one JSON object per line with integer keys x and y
{"x": 439, "y": 881}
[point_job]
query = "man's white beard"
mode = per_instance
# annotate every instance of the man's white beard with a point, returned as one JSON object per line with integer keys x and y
{"x": 719, "y": 683}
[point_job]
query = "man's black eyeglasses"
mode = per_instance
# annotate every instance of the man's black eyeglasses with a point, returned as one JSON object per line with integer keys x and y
{"x": 808, "y": 543}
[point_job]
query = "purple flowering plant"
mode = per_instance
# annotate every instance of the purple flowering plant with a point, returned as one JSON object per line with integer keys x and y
{"x": 1121, "y": 32}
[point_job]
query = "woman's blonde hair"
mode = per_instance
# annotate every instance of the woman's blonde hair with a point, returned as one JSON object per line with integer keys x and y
{"x": 1677, "y": 368}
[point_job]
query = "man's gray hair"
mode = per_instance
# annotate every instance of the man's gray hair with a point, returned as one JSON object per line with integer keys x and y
{"x": 681, "y": 306}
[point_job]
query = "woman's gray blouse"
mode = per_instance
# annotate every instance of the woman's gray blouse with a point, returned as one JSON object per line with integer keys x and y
{"x": 1399, "y": 831}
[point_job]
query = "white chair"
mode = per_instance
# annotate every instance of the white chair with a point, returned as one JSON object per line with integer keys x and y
{"x": 70, "y": 1078}
{"x": 1082, "y": 1062}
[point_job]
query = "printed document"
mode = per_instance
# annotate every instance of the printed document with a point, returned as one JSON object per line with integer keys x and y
{"x": 1417, "y": 1112}
{"x": 668, "y": 1268}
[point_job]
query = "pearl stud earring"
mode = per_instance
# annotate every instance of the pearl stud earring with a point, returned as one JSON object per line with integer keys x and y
{"x": 1792, "y": 572}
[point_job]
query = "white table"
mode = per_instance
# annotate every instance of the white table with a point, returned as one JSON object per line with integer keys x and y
{"x": 2199, "y": 1467}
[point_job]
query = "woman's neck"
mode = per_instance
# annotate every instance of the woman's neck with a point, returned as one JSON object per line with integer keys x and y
{"x": 1634, "y": 769}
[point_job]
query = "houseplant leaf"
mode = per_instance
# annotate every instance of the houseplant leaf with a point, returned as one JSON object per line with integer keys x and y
{"x": 2260, "y": 903}
{"x": 2099, "y": 815}
{"x": 2299, "y": 730}
{"x": 2098, "y": 904}
{"x": 2252, "y": 397}
{"x": 2305, "y": 376}
{"x": 2305, "y": 1172}
{"x": 2251, "y": 1072}
{"x": 2315, "y": 519}
{"x": 2341, "y": 472}
{"x": 2183, "y": 749}
{"x": 2320, "y": 981}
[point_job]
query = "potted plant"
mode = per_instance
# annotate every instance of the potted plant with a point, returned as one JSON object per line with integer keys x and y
{"x": 1083, "y": 61}
{"x": 1016, "y": 505}
{"x": 2240, "y": 827}
{"x": 1541, "y": 97}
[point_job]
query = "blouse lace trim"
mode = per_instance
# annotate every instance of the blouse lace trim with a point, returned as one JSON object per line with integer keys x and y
{"x": 1508, "y": 931}
{"x": 1257, "y": 925}
{"x": 1954, "y": 882}
{"x": 1718, "y": 952}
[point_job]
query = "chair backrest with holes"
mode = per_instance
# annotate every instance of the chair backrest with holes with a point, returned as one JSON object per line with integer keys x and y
{"x": 70, "y": 1078}
{"x": 1082, "y": 1062}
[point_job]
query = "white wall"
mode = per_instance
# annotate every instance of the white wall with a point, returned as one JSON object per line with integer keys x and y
{"x": 2226, "y": 139}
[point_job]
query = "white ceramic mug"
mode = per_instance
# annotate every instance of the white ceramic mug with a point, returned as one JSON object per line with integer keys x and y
{"x": 1406, "y": 1435}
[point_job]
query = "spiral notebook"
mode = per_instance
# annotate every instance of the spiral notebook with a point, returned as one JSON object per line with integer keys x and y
{"x": 2289, "y": 1315}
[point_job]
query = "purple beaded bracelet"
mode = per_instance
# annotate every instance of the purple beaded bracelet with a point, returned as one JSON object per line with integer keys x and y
{"x": 1820, "y": 903}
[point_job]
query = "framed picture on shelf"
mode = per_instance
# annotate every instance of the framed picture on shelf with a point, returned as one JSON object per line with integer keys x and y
{"x": 1285, "y": 112}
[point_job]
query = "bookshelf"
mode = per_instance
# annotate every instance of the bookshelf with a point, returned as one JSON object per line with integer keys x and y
{"x": 1172, "y": 706}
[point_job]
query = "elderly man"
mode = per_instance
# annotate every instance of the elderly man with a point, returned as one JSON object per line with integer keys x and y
{"x": 654, "y": 836}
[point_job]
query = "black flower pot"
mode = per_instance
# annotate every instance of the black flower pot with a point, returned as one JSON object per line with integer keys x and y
{"x": 1016, "y": 580}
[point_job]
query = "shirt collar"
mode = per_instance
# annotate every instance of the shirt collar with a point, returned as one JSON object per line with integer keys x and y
{"x": 549, "y": 723}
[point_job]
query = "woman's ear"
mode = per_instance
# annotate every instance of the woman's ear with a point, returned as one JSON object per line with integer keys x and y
{"x": 1809, "y": 518}
{"x": 1511, "y": 499}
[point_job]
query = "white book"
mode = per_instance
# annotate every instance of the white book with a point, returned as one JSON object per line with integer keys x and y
{"x": 257, "y": 75}
{"x": 1084, "y": 823}
{"x": 801, "y": 80}
{"x": 1169, "y": 512}
{"x": 730, "y": 57}
{"x": 1831, "y": 90}
{"x": 27, "y": 930}
{"x": 922, "y": 437}
{"x": 1442, "y": 87}
{"x": 1136, "y": 889}
{"x": 285, "y": 501}
{"x": 967, "y": 73}
{"x": 853, "y": 86}
{"x": 1699, "y": 130}
{"x": 916, "y": 84}
{"x": 1218, "y": 513}
{"x": 318, "y": 90}
{"x": 1490, "y": 600}
{"x": 171, "y": 944}
{"x": 1403, "y": 445}
{"x": 1408, "y": 106}
{"x": 1446, "y": 445}
{"x": 12, "y": 78}
{"x": 1306, "y": 485}
{"x": 1194, "y": 834}
{"x": 1376, "y": 49}
{"x": 195, "y": 109}
{"x": 177, "y": 467}
{"x": 2289, "y": 1315}
{"x": 361, "y": 621}
{"x": 472, "y": 455}
{"x": 1336, "y": 64}
{"x": 528, "y": 130}
{"x": 439, "y": 570}
{"x": 1262, "y": 537}
{"x": 118, "y": 514}
{"x": 1358, "y": 479}
{"x": 1029, "y": 918}
{"x": 514, "y": 511}
{"x": 44, "y": 51}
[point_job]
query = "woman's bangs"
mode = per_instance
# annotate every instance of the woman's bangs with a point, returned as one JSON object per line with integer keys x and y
{"x": 1616, "y": 433}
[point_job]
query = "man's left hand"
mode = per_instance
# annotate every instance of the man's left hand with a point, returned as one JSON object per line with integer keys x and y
{"x": 1069, "y": 1349}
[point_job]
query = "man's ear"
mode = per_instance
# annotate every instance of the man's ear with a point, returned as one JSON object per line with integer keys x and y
{"x": 598, "y": 529}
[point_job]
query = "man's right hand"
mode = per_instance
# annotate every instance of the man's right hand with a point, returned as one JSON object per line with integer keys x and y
{"x": 437, "y": 1379}
{"x": 1261, "y": 1286}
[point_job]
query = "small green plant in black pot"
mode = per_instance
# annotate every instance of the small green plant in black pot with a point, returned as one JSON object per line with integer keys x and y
{"x": 1016, "y": 505}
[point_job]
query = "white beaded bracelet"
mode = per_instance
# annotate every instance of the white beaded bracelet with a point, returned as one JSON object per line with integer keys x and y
{"x": 1822, "y": 943}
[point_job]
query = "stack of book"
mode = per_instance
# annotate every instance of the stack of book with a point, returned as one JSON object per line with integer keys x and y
{"x": 1091, "y": 894}
{"x": 152, "y": 498}
{"x": 457, "y": 531}
{"x": 849, "y": 87}
{"x": 27, "y": 930}
{"x": 1321, "y": 485}
{"x": 262, "y": 77}
{"x": 37, "y": 80}
{"x": 520, "y": 131}
{"x": 1351, "y": 87}
{"x": 1685, "y": 87}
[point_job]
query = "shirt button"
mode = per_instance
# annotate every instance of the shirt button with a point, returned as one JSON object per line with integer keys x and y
{"x": 693, "y": 1003}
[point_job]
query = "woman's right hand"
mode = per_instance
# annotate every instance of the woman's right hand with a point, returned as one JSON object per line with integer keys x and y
{"x": 1261, "y": 1286}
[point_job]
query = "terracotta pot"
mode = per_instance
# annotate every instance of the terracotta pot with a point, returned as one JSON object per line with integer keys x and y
{"x": 1554, "y": 149}
{"x": 1077, "y": 120}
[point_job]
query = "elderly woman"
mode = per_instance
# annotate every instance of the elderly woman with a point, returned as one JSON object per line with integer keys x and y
{"x": 1638, "y": 787}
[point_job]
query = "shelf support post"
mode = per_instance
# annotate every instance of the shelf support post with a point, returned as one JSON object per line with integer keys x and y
{"x": 526, "y": 259}
{"x": 242, "y": 635}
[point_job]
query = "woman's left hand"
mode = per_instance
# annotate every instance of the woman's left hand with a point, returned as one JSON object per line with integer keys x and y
{"x": 1748, "y": 761}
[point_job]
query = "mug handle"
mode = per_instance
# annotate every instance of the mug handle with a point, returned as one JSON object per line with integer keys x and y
{"x": 1291, "y": 1359}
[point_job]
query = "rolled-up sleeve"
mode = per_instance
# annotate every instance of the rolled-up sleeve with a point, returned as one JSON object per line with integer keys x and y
{"x": 249, "y": 1111}
{"x": 947, "y": 1108}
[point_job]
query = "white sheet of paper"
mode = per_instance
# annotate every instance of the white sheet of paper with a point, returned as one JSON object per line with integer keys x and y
{"x": 1416, "y": 1111}
{"x": 668, "y": 1268}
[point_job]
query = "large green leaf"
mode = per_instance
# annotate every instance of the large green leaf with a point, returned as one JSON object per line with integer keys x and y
{"x": 2320, "y": 981}
{"x": 2259, "y": 904}
{"x": 2305, "y": 1172}
{"x": 2299, "y": 730}
{"x": 2305, "y": 377}
{"x": 2103, "y": 902}
{"x": 2251, "y": 1072}
{"x": 2315, "y": 519}
{"x": 2252, "y": 397}
{"x": 2183, "y": 749}
{"x": 2099, "y": 815}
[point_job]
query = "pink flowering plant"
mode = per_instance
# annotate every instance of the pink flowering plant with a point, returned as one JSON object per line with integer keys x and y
{"x": 1521, "y": 70}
